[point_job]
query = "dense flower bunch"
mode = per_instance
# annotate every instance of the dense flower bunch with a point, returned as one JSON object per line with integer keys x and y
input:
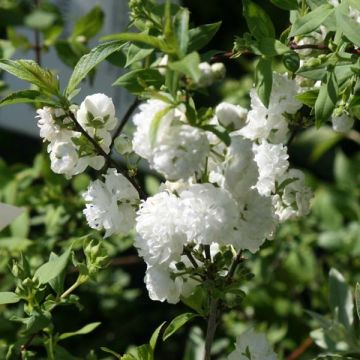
{"x": 215, "y": 194}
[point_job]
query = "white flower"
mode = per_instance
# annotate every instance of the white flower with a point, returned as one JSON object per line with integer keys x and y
{"x": 257, "y": 222}
{"x": 231, "y": 115}
{"x": 269, "y": 123}
{"x": 178, "y": 150}
{"x": 253, "y": 344}
{"x": 97, "y": 116}
{"x": 48, "y": 128}
{"x": 343, "y": 123}
{"x": 111, "y": 205}
{"x": 239, "y": 171}
{"x": 218, "y": 70}
{"x": 272, "y": 161}
{"x": 206, "y": 77}
{"x": 160, "y": 285}
{"x": 294, "y": 201}
{"x": 210, "y": 214}
{"x": 160, "y": 238}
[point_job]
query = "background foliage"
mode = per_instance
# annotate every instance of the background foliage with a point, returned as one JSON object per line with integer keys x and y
{"x": 292, "y": 271}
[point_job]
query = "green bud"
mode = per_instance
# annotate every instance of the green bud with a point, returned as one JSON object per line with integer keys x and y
{"x": 123, "y": 144}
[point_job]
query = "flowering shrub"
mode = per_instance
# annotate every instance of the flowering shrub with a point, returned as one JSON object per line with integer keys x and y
{"x": 227, "y": 182}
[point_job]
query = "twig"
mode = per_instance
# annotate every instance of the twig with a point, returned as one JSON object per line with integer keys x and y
{"x": 25, "y": 346}
{"x": 207, "y": 252}
{"x": 211, "y": 327}
{"x": 108, "y": 158}
{"x": 301, "y": 349}
{"x": 37, "y": 46}
{"x": 124, "y": 120}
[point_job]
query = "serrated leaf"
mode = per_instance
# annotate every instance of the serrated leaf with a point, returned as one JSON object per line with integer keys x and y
{"x": 189, "y": 66}
{"x": 177, "y": 323}
{"x": 258, "y": 21}
{"x": 90, "y": 61}
{"x": 137, "y": 81}
{"x": 263, "y": 80}
{"x": 326, "y": 100}
{"x": 83, "y": 331}
{"x": 30, "y": 71}
{"x": 286, "y": 4}
{"x": 340, "y": 298}
{"x": 8, "y": 297}
{"x": 89, "y": 24}
{"x": 53, "y": 268}
{"x": 311, "y": 21}
{"x": 26, "y": 96}
{"x": 202, "y": 35}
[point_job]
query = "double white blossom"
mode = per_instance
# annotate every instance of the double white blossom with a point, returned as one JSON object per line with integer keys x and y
{"x": 177, "y": 150}
{"x": 111, "y": 204}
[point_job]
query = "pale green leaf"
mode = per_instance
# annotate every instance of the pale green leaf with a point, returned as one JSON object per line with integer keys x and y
{"x": 26, "y": 96}
{"x": 155, "y": 123}
{"x": 89, "y": 24}
{"x": 263, "y": 80}
{"x": 311, "y": 21}
{"x": 155, "y": 336}
{"x": 181, "y": 29}
{"x": 83, "y": 331}
{"x": 189, "y": 66}
{"x": 7, "y": 297}
{"x": 90, "y": 61}
{"x": 52, "y": 268}
{"x": 177, "y": 323}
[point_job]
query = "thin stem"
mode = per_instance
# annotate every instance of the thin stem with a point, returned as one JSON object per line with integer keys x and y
{"x": 301, "y": 349}
{"x": 191, "y": 258}
{"x": 108, "y": 158}
{"x": 125, "y": 119}
{"x": 37, "y": 46}
{"x": 24, "y": 347}
{"x": 211, "y": 327}
{"x": 234, "y": 265}
{"x": 74, "y": 286}
{"x": 207, "y": 252}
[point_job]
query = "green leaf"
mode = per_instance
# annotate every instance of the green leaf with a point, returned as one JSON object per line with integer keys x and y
{"x": 198, "y": 301}
{"x": 136, "y": 53}
{"x": 271, "y": 47}
{"x": 258, "y": 21}
{"x": 26, "y": 96}
{"x": 220, "y": 132}
{"x": 20, "y": 227}
{"x": 340, "y": 298}
{"x": 89, "y": 24}
{"x": 357, "y": 299}
{"x": 202, "y": 35}
{"x": 40, "y": 19}
{"x": 177, "y": 323}
{"x": 326, "y": 101}
{"x": 30, "y": 71}
{"x": 308, "y": 98}
{"x": 83, "y": 331}
{"x": 263, "y": 80}
{"x": 155, "y": 336}
{"x": 141, "y": 38}
{"x": 89, "y": 61}
{"x": 189, "y": 66}
{"x": 53, "y": 268}
{"x": 155, "y": 123}
{"x": 311, "y": 21}
{"x": 8, "y": 297}
{"x": 137, "y": 81}
{"x": 15, "y": 244}
{"x": 286, "y": 4}
{"x": 349, "y": 27}
{"x": 113, "y": 353}
{"x": 291, "y": 60}
{"x": 181, "y": 29}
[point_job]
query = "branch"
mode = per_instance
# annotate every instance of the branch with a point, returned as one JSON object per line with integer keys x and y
{"x": 237, "y": 260}
{"x": 211, "y": 327}
{"x": 108, "y": 158}
{"x": 124, "y": 120}
{"x": 301, "y": 349}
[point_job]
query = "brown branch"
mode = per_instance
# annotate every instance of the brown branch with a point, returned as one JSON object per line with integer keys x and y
{"x": 124, "y": 120}
{"x": 107, "y": 157}
{"x": 301, "y": 349}
{"x": 211, "y": 327}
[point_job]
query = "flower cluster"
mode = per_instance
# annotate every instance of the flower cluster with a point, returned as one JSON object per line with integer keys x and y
{"x": 70, "y": 152}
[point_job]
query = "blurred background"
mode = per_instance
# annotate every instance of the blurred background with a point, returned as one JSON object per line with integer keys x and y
{"x": 292, "y": 270}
